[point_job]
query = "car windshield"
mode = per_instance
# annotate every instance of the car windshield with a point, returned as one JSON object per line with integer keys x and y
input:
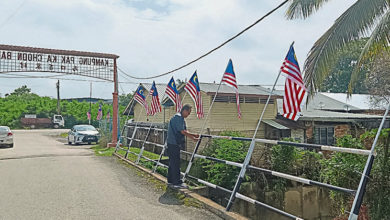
{"x": 85, "y": 128}
{"x": 4, "y": 129}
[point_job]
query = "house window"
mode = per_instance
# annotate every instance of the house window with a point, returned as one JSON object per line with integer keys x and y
{"x": 221, "y": 98}
{"x": 324, "y": 135}
{"x": 264, "y": 101}
{"x": 251, "y": 100}
{"x": 231, "y": 99}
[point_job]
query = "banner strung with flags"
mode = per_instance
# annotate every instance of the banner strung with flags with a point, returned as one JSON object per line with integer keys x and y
{"x": 229, "y": 77}
{"x": 100, "y": 113}
{"x": 140, "y": 98}
{"x": 294, "y": 89}
{"x": 193, "y": 89}
{"x": 173, "y": 94}
{"x": 155, "y": 106}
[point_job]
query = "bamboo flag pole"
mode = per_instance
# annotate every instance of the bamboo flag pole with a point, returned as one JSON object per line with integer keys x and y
{"x": 147, "y": 135}
{"x": 251, "y": 148}
{"x": 127, "y": 117}
{"x": 250, "y": 151}
{"x": 357, "y": 202}
{"x": 201, "y": 132}
{"x": 135, "y": 128}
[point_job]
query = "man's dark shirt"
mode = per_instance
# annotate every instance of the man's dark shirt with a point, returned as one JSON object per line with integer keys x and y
{"x": 176, "y": 125}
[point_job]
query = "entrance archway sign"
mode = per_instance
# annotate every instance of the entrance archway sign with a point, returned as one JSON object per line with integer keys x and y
{"x": 96, "y": 65}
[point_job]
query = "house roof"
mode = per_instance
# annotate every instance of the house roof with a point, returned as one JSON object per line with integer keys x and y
{"x": 325, "y": 108}
{"x": 322, "y": 102}
{"x": 211, "y": 88}
{"x": 242, "y": 89}
{"x": 322, "y": 115}
{"x": 361, "y": 101}
{"x": 275, "y": 124}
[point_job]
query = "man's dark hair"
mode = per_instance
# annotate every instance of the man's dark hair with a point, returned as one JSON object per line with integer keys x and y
{"x": 186, "y": 107}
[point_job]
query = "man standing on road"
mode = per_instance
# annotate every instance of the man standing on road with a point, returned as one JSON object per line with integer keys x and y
{"x": 177, "y": 131}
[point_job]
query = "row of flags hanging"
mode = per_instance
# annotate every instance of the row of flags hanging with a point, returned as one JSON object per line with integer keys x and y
{"x": 99, "y": 114}
{"x": 294, "y": 91}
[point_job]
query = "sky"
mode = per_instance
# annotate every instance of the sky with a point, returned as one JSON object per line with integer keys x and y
{"x": 156, "y": 36}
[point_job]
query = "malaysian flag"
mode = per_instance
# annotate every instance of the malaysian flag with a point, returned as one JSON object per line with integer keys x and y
{"x": 100, "y": 113}
{"x": 155, "y": 105}
{"x": 294, "y": 89}
{"x": 173, "y": 94}
{"x": 140, "y": 98}
{"x": 229, "y": 77}
{"x": 192, "y": 87}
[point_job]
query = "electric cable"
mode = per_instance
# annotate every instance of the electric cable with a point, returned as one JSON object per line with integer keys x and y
{"x": 211, "y": 51}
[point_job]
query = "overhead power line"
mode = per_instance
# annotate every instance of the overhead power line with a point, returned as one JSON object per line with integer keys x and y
{"x": 55, "y": 77}
{"x": 211, "y": 51}
{"x": 12, "y": 15}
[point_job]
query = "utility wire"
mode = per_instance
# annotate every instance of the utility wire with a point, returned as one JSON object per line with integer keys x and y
{"x": 12, "y": 15}
{"x": 211, "y": 51}
{"x": 17, "y": 76}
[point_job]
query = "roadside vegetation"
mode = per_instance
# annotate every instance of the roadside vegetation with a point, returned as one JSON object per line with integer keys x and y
{"x": 340, "y": 169}
{"x": 22, "y": 101}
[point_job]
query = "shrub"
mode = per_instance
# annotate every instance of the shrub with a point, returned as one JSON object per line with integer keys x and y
{"x": 231, "y": 150}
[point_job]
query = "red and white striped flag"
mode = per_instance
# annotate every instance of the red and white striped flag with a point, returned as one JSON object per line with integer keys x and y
{"x": 100, "y": 113}
{"x": 155, "y": 106}
{"x": 229, "y": 77}
{"x": 140, "y": 98}
{"x": 193, "y": 89}
{"x": 173, "y": 94}
{"x": 294, "y": 89}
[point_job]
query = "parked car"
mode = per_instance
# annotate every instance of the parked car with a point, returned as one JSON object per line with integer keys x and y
{"x": 83, "y": 134}
{"x": 6, "y": 136}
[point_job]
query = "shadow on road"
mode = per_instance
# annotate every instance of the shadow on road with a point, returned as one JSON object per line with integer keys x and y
{"x": 169, "y": 198}
{"x": 5, "y": 147}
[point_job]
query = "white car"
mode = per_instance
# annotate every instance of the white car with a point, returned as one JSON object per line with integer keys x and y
{"x": 6, "y": 136}
{"x": 83, "y": 134}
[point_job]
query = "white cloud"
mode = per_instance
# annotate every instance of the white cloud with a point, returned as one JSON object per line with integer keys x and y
{"x": 152, "y": 37}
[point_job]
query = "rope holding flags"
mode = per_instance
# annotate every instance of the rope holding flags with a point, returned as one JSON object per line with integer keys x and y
{"x": 294, "y": 89}
{"x": 229, "y": 77}
{"x": 193, "y": 89}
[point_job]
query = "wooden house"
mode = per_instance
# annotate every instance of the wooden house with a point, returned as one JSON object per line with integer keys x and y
{"x": 223, "y": 114}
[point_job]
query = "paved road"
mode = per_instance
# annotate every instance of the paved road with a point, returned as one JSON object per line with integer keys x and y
{"x": 42, "y": 178}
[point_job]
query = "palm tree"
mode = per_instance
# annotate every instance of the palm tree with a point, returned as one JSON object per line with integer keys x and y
{"x": 364, "y": 18}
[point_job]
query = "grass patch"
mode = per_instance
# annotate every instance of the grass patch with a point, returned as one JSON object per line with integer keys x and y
{"x": 64, "y": 135}
{"x": 105, "y": 152}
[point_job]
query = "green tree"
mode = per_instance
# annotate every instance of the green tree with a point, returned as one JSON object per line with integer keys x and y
{"x": 378, "y": 80}
{"x": 364, "y": 17}
{"x": 21, "y": 91}
{"x": 125, "y": 99}
{"x": 340, "y": 74}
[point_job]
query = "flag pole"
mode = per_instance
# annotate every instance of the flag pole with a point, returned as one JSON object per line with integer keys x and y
{"x": 357, "y": 202}
{"x": 250, "y": 150}
{"x": 200, "y": 134}
{"x": 118, "y": 143}
{"x": 90, "y": 103}
{"x": 150, "y": 128}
